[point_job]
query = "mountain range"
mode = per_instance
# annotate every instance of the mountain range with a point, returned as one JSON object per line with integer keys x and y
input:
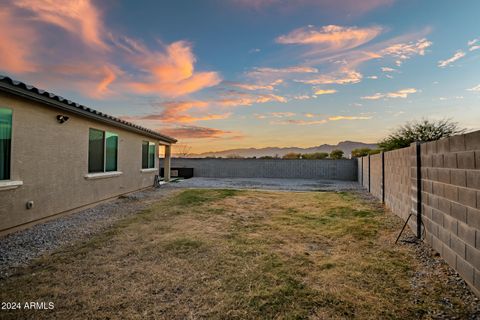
{"x": 345, "y": 146}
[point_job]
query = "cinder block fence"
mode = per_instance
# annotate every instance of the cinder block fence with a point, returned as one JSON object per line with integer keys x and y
{"x": 438, "y": 183}
{"x": 343, "y": 169}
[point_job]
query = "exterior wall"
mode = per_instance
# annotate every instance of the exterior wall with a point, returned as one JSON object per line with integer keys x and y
{"x": 365, "y": 172}
{"x": 451, "y": 201}
{"x": 52, "y": 160}
{"x": 263, "y": 168}
{"x": 397, "y": 181}
{"x": 448, "y": 197}
{"x": 376, "y": 175}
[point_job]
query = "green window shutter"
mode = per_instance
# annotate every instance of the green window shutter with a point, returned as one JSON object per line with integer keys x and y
{"x": 111, "y": 151}
{"x": 5, "y": 142}
{"x": 96, "y": 148}
{"x": 151, "y": 155}
{"x": 144, "y": 154}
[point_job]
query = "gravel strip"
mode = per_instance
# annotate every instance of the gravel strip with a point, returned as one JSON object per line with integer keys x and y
{"x": 19, "y": 248}
{"x": 267, "y": 184}
{"x": 434, "y": 267}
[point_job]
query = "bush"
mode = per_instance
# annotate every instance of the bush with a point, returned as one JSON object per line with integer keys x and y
{"x": 336, "y": 154}
{"x": 315, "y": 155}
{"x": 421, "y": 131}
{"x": 292, "y": 155}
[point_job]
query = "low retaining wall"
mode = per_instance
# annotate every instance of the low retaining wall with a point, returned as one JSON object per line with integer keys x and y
{"x": 439, "y": 184}
{"x": 344, "y": 169}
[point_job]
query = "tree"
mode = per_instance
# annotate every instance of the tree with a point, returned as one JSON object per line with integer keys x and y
{"x": 421, "y": 131}
{"x": 292, "y": 155}
{"x": 234, "y": 156}
{"x": 336, "y": 154}
{"x": 360, "y": 152}
{"x": 183, "y": 150}
{"x": 315, "y": 155}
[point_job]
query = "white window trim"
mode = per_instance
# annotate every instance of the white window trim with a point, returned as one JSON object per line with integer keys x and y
{"x": 9, "y": 184}
{"x": 149, "y": 170}
{"x": 103, "y": 175}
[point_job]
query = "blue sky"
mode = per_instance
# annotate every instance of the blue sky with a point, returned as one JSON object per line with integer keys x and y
{"x": 253, "y": 73}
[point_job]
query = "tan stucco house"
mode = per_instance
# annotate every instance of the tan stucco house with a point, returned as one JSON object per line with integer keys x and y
{"x": 57, "y": 156}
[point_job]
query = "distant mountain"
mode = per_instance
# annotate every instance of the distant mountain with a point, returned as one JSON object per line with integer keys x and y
{"x": 345, "y": 146}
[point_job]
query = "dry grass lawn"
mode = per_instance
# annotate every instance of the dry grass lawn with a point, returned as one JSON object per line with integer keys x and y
{"x": 238, "y": 254}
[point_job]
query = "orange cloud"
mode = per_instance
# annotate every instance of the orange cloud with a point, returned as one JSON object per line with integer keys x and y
{"x": 15, "y": 54}
{"x": 172, "y": 73}
{"x": 337, "y": 118}
{"x": 194, "y": 132}
{"x": 301, "y": 122}
{"x": 109, "y": 76}
{"x": 253, "y": 87}
{"x": 236, "y": 98}
{"x": 404, "y": 51}
{"x": 458, "y": 55}
{"x": 77, "y": 17}
{"x": 320, "y": 121}
{"x": 396, "y": 94}
{"x": 343, "y": 76}
{"x": 331, "y": 37}
{"x": 275, "y": 115}
{"x": 325, "y": 91}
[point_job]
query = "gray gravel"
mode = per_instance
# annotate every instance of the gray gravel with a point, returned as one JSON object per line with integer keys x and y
{"x": 267, "y": 184}
{"x": 18, "y": 248}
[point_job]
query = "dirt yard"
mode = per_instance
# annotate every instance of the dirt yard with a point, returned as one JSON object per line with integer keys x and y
{"x": 246, "y": 255}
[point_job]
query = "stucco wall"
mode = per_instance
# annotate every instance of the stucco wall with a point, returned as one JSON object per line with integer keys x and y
{"x": 263, "y": 168}
{"x": 52, "y": 160}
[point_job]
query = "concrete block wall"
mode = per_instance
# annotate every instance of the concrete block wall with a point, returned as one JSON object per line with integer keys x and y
{"x": 398, "y": 193}
{"x": 365, "y": 172}
{"x": 345, "y": 169}
{"x": 439, "y": 181}
{"x": 376, "y": 175}
{"x": 451, "y": 202}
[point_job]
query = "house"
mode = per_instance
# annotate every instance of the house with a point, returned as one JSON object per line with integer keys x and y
{"x": 57, "y": 156}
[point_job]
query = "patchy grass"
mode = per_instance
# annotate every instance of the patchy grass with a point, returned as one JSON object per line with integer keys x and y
{"x": 239, "y": 255}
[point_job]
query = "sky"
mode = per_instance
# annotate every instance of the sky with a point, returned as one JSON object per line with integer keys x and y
{"x": 224, "y": 74}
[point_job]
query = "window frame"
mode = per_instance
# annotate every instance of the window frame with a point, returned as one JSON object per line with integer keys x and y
{"x": 9, "y": 176}
{"x": 104, "y": 144}
{"x": 151, "y": 163}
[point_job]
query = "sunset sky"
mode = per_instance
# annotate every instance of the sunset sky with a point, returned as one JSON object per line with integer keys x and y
{"x": 222, "y": 74}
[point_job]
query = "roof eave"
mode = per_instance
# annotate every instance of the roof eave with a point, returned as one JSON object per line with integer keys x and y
{"x": 25, "y": 93}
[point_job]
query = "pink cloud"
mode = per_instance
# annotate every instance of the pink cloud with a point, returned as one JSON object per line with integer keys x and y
{"x": 405, "y": 50}
{"x": 354, "y": 7}
{"x": 14, "y": 54}
{"x": 404, "y": 93}
{"x": 343, "y": 76}
{"x": 94, "y": 65}
{"x": 458, "y": 55}
{"x": 254, "y": 87}
{"x": 235, "y": 98}
{"x": 78, "y": 17}
{"x": 171, "y": 73}
{"x": 331, "y": 37}
{"x": 194, "y": 132}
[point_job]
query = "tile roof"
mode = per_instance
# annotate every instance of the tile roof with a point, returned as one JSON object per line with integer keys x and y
{"x": 30, "y": 92}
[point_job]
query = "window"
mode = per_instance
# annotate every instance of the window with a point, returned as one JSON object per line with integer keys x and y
{"x": 102, "y": 151}
{"x": 148, "y": 155}
{"x": 5, "y": 142}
